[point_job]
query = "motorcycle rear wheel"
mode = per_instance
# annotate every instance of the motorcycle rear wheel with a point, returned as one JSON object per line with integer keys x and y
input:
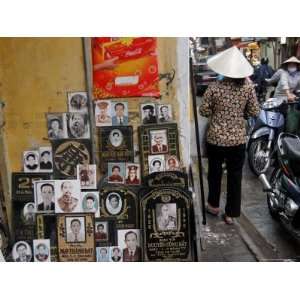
{"x": 275, "y": 183}
{"x": 258, "y": 162}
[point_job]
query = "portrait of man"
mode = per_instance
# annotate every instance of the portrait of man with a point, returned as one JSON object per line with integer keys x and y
{"x": 41, "y": 250}
{"x": 172, "y": 164}
{"x": 87, "y": 176}
{"x": 31, "y": 159}
{"x": 116, "y": 172}
{"x": 115, "y": 254}
{"x": 46, "y": 159}
{"x": 77, "y": 102}
{"x": 22, "y": 252}
{"x": 166, "y": 216}
{"x": 119, "y": 113}
{"x": 67, "y": 202}
{"x": 148, "y": 113}
{"x": 159, "y": 142}
{"x": 55, "y": 126}
{"x": 102, "y": 254}
{"x": 165, "y": 113}
{"x": 113, "y": 203}
{"x": 101, "y": 233}
{"x": 75, "y": 229}
{"x": 90, "y": 202}
{"x": 133, "y": 174}
{"x": 133, "y": 251}
{"x": 29, "y": 213}
{"x": 44, "y": 192}
{"x": 156, "y": 163}
{"x": 102, "y": 113}
{"x": 77, "y": 125}
{"x": 116, "y": 138}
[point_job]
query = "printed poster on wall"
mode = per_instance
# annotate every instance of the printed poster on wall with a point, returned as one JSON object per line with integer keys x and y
{"x": 125, "y": 67}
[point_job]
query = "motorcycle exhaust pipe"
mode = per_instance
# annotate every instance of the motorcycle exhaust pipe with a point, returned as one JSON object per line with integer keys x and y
{"x": 265, "y": 182}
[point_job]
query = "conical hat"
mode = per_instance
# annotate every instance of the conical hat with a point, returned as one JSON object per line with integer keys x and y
{"x": 230, "y": 63}
{"x": 292, "y": 59}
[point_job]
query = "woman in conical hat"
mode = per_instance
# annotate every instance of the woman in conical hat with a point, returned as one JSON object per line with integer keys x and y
{"x": 288, "y": 77}
{"x": 226, "y": 103}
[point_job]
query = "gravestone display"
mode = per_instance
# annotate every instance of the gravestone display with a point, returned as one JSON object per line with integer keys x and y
{"x": 165, "y": 216}
{"x": 120, "y": 204}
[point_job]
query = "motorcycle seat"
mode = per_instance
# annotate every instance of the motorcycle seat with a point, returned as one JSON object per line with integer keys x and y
{"x": 291, "y": 147}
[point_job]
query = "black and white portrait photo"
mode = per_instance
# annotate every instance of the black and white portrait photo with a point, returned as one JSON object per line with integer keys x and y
{"x": 102, "y": 254}
{"x": 90, "y": 203}
{"x": 78, "y": 102}
{"x": 119, "y": 113}
{"x": 87, "y": 176}
{"x": 115, "y": 254}
{"x": 77, "y": 125}
{"x": 29, "y": 213}
{"x": 21, "y": 252}
{"x": 44, "y": 195}
{"x": 116, "y": 138}
{"x": 148, "y": 113}
{"x": 41, "y": 250}
{"x": 56, "y": 128}
{"x": 166, "y": 216}
{"x": 164, "y": 112}
{"x": 31, "y": 161}
{"x": 46, "y": 161}
{"x": 75, "y": 229}
{"x": 113, "y": 203}
{"x": 159, "y": 141}
{"x": 156, "y": 163}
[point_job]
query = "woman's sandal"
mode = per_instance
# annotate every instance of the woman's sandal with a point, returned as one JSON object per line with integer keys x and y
{"x": 211, "y": 211}
{"x": 228, "y": 220}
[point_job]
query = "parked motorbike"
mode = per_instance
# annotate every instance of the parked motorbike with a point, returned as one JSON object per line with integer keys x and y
{"x": 263, "y": 134}
{"x": 283, "y": 189}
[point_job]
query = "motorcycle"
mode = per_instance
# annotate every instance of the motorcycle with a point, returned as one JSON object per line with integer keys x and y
{"x": 283, "y": 189}
{"x": 263, "y": 134}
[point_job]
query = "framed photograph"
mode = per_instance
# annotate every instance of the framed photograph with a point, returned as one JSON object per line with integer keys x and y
{"x": 103, "y": 113}
{"x": 22, "y": 252}
{"x": 22, "y": 185}
{"x": 159, "y": 141}
{"x": 172, "y": 163}
{"x": 29, "y": 213}
{"x": 75, "y": 229}
{"x": 44, "y": 196}
{"x": 77, "y": 125}
{"x": 55, "y": 125}
{"x": 115, "y": 254}
{"x": 148, "y": 113}
{"x": 121, "y": 205}
{"x": 156, "y": 163}
{"x": 105, "y": 232}
{"x": 90, "y": 203}
{"x": 77, "y": 102}
{"x": 67, "y": 154}
{"x": 155, "y": 140}
{"x": 133, "y": 174}
{"x": 76, "y": 241}
{"x": 46, "y": 230}
{"x": 46, "y": 159}
{"x": 129, "y": 242}
{"x": 41, "y": 251}
{"x": 87, "y": 174}
{"x": 166, "y": 217}
{"x": 67, "y": 196}
{"x": 116, "y": 172}
{"x": 119, "y": 113}
{"x": 164, "y": 113}
{"x": 102, "y": 254}
{"x": 116, "y": 144}
{"x": 31, "y": 161}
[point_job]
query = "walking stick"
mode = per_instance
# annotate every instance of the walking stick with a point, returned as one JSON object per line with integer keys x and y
{"x": 193, "y": 88}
